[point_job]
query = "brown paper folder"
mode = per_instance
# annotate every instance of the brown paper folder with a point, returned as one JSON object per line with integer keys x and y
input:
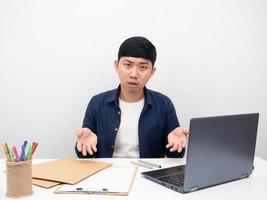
{"x": 45, "y": 183}
{"x": 67, "y": 170}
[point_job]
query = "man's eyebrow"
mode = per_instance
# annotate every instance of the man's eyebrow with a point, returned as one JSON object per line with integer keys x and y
{"x": 128, "y": 61}
{"x": 144, "y": 62}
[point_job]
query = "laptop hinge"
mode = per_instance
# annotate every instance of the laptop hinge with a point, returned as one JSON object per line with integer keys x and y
{"x": 244, "y": 176}
{"x": 193, "y": 189}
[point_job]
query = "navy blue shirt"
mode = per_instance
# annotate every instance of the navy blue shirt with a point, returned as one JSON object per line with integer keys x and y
{"x": 158, "y": 118}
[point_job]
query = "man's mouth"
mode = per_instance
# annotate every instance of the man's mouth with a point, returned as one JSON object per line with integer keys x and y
{"x": 132, "y": 83}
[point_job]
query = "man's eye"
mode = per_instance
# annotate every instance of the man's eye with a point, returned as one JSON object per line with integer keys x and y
{"x": 127, "y": 65}
{"x": 143, "y": 67}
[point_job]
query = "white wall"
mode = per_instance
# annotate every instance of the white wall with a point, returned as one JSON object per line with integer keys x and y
{"x": 56, "y": 54}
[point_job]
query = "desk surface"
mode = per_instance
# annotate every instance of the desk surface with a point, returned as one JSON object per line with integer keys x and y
{"x": 253, "y": 187}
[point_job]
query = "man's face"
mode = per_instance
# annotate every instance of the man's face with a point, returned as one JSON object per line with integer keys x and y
{"x": 134, "y": 73}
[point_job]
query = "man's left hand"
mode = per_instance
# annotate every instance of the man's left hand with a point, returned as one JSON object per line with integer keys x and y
{"x": 177, "y": 139}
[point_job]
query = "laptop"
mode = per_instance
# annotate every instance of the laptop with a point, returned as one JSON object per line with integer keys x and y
{"x": 220, "y": 149}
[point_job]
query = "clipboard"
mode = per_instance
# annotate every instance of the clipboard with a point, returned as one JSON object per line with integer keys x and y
{"x": 115, "y": 180}
{"x": 67, "y": 170}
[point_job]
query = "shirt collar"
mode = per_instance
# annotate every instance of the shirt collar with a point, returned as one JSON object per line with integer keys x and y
{"x": 114, "y": 96}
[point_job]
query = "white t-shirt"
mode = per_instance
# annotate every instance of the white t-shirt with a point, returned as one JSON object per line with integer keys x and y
{"x": 127, "y": 142}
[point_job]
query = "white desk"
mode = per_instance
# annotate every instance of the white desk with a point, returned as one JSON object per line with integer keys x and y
{"x": 253, "y": 187}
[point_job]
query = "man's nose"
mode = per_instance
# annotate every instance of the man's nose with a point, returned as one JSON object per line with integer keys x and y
{"x": 134, "y": 72}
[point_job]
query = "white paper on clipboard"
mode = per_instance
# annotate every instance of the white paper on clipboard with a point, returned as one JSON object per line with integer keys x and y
{"x": 114, "y": 180}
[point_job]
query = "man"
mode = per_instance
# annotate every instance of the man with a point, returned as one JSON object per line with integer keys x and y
{"x": 132, "y": 121}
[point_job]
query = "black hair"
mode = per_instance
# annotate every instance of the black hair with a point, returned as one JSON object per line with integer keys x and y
{"x": 139, "y": 47}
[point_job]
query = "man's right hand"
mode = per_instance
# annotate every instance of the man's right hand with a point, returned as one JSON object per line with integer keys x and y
{"x": 86, "y": 141}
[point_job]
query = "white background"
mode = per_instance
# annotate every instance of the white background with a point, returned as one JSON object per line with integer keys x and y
{"x": 56, "y": 54}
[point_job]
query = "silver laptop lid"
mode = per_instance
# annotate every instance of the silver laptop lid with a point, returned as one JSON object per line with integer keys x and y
{"x": 220, "y": 149}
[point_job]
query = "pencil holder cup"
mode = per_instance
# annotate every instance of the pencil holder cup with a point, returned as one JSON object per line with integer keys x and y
{"x": 19, "y": 178}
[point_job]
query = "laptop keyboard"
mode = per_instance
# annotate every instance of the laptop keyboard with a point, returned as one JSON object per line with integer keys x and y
{"x": 175, "y": 179}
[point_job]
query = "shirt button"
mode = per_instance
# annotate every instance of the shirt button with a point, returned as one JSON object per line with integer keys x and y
{"x": 119, "y": 112}
{"x": 112, "y": 146}
{"x": 116, "y": 129}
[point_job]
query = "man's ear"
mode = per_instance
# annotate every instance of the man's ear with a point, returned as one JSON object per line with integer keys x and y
{"x": 153, "y": 71}
{"x": 116, "y": 65}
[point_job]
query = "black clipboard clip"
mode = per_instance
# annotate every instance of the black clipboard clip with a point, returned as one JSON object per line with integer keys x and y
{"x": 92, "y": 190}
